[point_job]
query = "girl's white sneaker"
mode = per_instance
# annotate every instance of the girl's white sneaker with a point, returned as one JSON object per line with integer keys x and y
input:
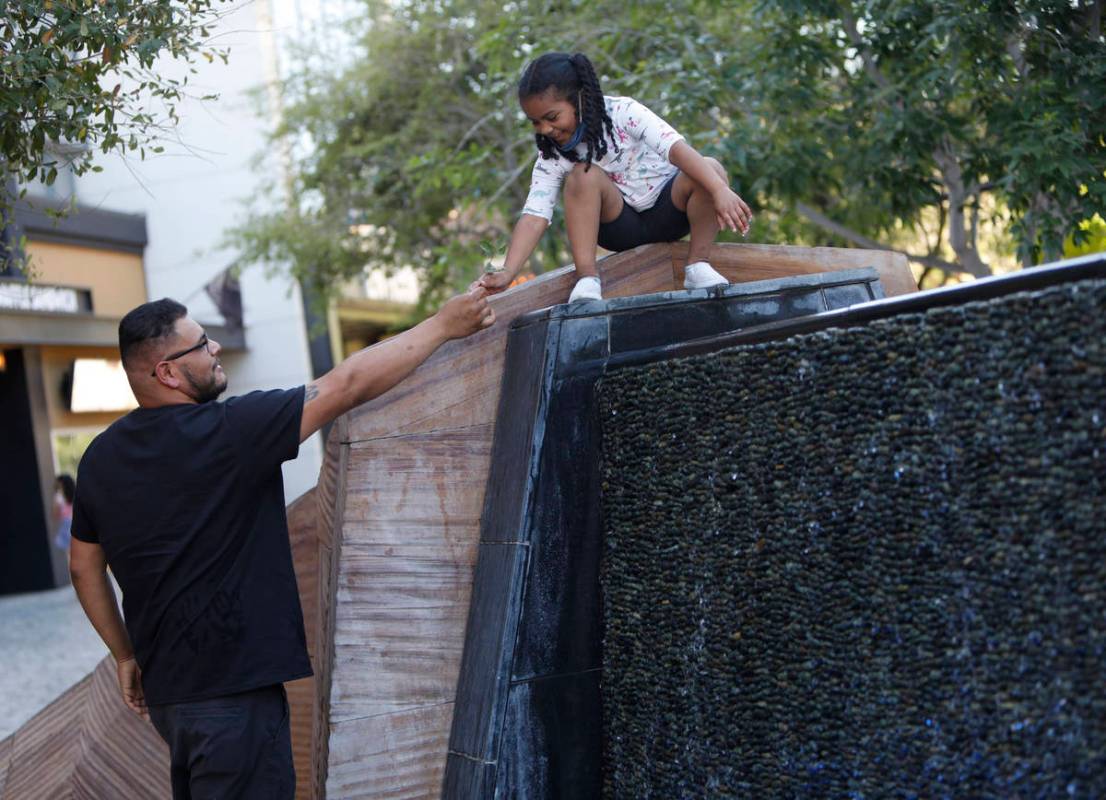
{"x": 701, "y": 275}
{"x": 587, "y": 288}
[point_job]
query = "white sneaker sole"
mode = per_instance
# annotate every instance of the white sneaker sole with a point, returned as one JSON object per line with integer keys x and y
{"x": 706, "y": 284}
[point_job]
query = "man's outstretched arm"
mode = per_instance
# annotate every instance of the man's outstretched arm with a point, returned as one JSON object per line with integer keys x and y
{"x": 88, "y": 569}
{"x": 372, "y": 371}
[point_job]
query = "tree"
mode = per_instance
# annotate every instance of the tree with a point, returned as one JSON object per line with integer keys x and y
{"x": 418, "y": 153}
{"x": 79, "y": 75}
{"x": 1093, "y": 238}
{"x": 882, "y": 111}
{"x": 841, "y": 122}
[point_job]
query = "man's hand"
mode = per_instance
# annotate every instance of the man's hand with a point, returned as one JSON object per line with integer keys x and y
{"x": 466, "y": 313}
{"x": 371, "y": 372}
{"x": 130, "y": 684}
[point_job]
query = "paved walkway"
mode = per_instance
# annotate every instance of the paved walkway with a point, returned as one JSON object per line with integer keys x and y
{"x": 46, "y": 645}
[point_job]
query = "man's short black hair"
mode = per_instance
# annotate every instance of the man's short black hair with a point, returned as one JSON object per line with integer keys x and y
{"x": 149, "y": 322}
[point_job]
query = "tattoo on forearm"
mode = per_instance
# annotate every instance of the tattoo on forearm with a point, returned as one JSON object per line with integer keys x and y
{"x": 310, "y": 393}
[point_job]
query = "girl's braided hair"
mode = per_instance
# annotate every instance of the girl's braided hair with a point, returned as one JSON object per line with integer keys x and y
{"x": 573, "y": 77}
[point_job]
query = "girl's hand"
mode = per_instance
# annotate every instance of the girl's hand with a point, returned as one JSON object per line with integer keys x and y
{"x": 732, "y": 212}
{"x": 494, "y": 282}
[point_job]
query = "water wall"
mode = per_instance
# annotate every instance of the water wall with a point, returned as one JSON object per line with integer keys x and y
{"x": 527, "y": 721}
{"x": 866, "y": 558}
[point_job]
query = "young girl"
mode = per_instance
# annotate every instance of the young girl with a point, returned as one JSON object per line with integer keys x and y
{"x": 650, "y": 185}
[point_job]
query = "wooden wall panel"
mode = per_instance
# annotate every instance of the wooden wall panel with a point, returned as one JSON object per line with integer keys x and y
{"x": 119, "y": 749}
{"x": 741, "y": 263}
{"x": 304, "y": 521}
{"x": 330, "y": 504}
{"x": 411, "y": 523}
{"x": 390, "y": 756}
{"x": 420, "y": 489}
{"x": 42, "y": 762}
{"x": 87, "y": 744}
{"x": 397, "y": 644}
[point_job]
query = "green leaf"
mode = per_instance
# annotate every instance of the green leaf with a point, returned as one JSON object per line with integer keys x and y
{"x": 50, "y": 78}
{"x": 792, "y": 109}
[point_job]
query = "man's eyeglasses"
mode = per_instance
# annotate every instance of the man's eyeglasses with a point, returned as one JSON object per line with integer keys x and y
{"x": 175, "y": 356}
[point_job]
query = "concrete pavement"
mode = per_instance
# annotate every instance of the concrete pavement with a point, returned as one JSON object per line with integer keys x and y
{"x": 46, "y": 645}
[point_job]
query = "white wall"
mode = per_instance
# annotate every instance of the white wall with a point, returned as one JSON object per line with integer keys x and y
{"x": 195, "y": 190}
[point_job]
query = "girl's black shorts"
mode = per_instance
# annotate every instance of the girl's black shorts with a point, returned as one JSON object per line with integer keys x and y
{"x": 661, "y": 222}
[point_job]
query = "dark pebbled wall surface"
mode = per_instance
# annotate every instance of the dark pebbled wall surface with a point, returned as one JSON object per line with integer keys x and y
{"x": 863, "y": 563}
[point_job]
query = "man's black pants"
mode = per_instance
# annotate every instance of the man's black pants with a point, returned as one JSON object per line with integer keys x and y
{"x": 235, "y": 746}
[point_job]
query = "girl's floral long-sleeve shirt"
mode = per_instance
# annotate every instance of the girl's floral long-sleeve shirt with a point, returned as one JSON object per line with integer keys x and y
{"x": 636, "y": 161}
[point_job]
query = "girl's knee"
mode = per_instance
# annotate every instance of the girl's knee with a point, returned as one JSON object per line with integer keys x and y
{"x": 716, "y": 165}
{"x": 580, "y": 178}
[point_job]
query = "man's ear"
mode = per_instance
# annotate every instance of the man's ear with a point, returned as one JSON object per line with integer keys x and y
{"x": 164, "y": 373}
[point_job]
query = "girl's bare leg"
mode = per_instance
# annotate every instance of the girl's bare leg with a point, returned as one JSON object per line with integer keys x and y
{"x": 689, "y": 196}
{"x": 590, "y": 198}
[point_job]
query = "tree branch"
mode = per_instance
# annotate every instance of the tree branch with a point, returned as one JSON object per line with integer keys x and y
{"x": 848, "y": 21}
{"x": 506, "y": 184}
{"x": 849, "y": 235}
{"x": 472, "y": 129}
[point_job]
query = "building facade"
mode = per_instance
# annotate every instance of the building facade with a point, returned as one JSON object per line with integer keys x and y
{"x": 140, "y": 230}
{"x": 61, "y": 382}
{"x": 157, "y": 227}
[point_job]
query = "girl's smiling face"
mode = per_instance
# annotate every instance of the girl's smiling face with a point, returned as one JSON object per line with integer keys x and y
{"x": 551, "y": 115}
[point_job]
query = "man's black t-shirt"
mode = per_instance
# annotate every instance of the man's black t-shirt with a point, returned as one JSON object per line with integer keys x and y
{"x": 187, "y": 502}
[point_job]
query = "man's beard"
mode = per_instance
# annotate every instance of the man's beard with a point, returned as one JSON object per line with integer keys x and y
{"x": 206, "y": 390}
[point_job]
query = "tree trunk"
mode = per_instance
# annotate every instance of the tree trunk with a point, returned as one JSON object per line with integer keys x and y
{"x": 1094, "y": 19}
{"x": 962, "y": 243}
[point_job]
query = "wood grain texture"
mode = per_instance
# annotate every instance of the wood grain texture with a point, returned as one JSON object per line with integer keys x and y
{"x": 86, "y": 744}
{"x": 399, "y": 755}
{"x": 411, "y": 523}
{"x": 330, "y": 503}
{"x": 741, "y": 263}
{"x": 304, "y": 520}
{"x": 459, "y": 385}
{"x": 429, "y": 485}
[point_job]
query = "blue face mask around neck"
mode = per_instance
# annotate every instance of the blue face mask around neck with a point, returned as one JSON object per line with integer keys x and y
{"x": 577, "y": 137}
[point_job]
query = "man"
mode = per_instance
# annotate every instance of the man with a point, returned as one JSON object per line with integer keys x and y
{"x": 183, "y": 499}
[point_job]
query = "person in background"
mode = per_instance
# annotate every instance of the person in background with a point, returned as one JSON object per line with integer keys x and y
{"x": 183, "y": 498}
{"x": 64, "y": 490}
